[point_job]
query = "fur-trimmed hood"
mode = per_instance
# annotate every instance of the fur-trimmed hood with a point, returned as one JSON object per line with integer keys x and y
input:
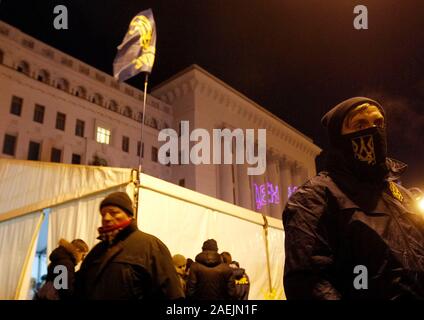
{"x": 65, "y": 249}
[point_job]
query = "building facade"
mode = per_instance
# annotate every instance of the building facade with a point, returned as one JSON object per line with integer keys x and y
{"x": 56, "y": 108}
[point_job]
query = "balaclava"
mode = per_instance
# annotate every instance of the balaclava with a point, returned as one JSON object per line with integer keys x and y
{"x": 361, "y": 153}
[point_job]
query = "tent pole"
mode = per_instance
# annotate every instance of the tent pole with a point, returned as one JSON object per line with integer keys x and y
{"x": 265, "y": 226}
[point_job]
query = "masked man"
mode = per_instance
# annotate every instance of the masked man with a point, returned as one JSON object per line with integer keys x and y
{"x": 352, "y": 232}
{"x": 127, "y": 264}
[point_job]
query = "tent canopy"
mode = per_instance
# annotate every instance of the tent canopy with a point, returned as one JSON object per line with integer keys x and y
{"x": 180, "y": 217}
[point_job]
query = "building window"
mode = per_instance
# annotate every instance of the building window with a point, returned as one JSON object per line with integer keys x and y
{"x": 128, "y": 112}
{"x": 28, "y": 43}
{"x": 97, "y": 99}
{"x": 9, "y": 144}
{"x": 125, "y": 144}
{"x": 60, "y": 121}
{"x": 181, "y": 183}
{"x": 154, "y": 154}
{"x": 67, "y": 62}
{"x": 113, "y": 106}
{"x": 34, "y": 151}
{"x": 76, "y": 158}
{"x": 84, "y": 70}
{"x": 56, "y": 155}
{"x": 48, "y": 53}
{"x": 62, "y": 84}
{"x": 79, "y": 128}
{"x": 43, "y": 76}
{"x": 103, "y": 135}
{"x": 16, "y": 106}
{"x": 81, "y": 92}
{"x": 39, "y": 113}
{"x": 151, "y": 122}
{"x": 140, "y": 148}
{"x": 140, "y": 117}
{"x": 23, "y": 67}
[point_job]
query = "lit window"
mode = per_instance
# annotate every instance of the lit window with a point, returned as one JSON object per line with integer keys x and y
{"x": 103, "y": 135}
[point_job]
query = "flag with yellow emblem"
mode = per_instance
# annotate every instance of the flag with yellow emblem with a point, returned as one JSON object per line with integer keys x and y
{"x": 137, "y": 51}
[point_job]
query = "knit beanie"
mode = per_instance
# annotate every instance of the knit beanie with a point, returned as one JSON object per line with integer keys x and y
{"x": 119, "y": 199}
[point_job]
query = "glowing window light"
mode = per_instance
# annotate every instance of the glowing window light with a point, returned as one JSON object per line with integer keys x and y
{"x": 103, "y": 135}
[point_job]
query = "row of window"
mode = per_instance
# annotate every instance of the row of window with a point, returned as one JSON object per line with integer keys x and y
{"x": 80, "y": 91}
{"x": 34, "y": 150}
{"x": 9, "y": 148}
{"x": 103, "y": 135}
{"x": 39, "y": 111}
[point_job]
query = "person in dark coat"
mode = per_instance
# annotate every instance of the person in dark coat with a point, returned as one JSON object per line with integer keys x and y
{"x": 67, "y": 255}
{"x": 241, "y": 279}
{"x": 127, "y": 264}
{"x": 209, "y": 278}
{"x": 351, "y": 232}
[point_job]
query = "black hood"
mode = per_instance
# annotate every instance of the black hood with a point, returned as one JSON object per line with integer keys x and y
{"x": 209, "y": 258}
{"x": 238, "y": 273}
{"x": 60, "y": 254}
{"x": 333, "y": 119}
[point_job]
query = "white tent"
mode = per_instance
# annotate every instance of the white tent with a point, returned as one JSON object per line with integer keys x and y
{"x": 181, "y": 218}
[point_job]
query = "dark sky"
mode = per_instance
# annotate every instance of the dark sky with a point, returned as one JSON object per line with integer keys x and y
{"x": 296, "y": 58}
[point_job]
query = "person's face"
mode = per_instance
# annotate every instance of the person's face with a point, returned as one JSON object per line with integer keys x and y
{"x": 80, "y": 255}
{"x": 362, "y": 117}
{"x": 112, "y": 215}
{"x": 181, "y": 268}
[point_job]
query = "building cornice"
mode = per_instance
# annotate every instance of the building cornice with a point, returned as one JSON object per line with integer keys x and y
{"x": 194, "y": 79}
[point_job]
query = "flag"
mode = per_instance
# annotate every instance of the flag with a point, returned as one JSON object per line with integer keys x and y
{"x": 137, "y": 51}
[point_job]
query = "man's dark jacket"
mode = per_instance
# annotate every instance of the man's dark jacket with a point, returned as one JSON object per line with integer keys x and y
{"x": 136, "y": 266}
{"x": 210, "y": 278}
{"x": 329, "y": 234}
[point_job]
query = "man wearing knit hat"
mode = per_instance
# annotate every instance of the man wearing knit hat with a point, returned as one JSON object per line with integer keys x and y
{"x": 351, "y": 232}
{"x": 209, "y": 277}
{"x": 127, "y": 263}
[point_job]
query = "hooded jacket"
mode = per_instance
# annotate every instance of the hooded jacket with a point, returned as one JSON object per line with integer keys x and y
{"x": 346, "y": 238}
{"x": 64, "y": 255}
{"x": 210, "y": 278}
{"x": 136, "y": 265}
{"x": 242, "y": 282}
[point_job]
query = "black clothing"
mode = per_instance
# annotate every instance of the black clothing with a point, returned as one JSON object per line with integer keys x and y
{"x": 210, "y": 278}
{"x": 330, "y": 229}
{"x": 136, "y": 265}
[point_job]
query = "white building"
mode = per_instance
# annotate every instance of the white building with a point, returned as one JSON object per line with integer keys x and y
{"x": 54, "y": 107}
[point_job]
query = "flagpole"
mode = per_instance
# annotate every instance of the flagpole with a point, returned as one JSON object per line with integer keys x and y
{"x": 140, "y": 160}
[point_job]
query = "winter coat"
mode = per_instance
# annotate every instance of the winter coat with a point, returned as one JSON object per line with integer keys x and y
{"x": 136, "y": 266}
{"x": 242, "y": 283}
{"x": 334, "y": 230}
{"x": 64, "y": 255}
{"x": 210, "y": 278}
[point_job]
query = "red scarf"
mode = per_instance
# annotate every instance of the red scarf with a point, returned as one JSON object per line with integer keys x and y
{"x": 108, "y": 229}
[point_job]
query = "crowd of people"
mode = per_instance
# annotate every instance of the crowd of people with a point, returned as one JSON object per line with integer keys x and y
{"x": 353, "y": 214}
{"x": 130, "y": 264}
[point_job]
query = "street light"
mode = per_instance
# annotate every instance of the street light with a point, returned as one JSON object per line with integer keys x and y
{"x": 421, "y": 204}
{"x": 419, "y": 197}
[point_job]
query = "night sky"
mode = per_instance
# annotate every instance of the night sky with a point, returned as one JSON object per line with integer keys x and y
{"x": 295, "y": 58}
